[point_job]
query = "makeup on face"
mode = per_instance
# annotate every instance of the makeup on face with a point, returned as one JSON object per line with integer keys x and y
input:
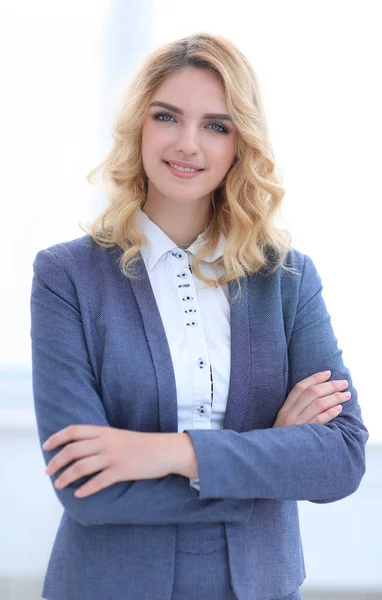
{"x": 188, "y": 137}
{"x": 183, "y": 170}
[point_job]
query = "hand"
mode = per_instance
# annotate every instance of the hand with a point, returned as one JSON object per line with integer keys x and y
{"x": 313, "y": 401}
{"x": 119, "y": 455}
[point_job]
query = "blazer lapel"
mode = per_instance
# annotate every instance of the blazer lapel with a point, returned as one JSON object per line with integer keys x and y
{"x": 160, "y": 351}
{"x": 240, "y": 375}
{"x": 258, "y": 356}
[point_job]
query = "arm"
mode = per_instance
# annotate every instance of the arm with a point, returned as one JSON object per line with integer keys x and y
{"x": 66, "y": 392}
{"x": 320, "y": 463}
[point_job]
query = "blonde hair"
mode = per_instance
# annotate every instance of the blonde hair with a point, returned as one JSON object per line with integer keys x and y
{"x": 247, "y": 200}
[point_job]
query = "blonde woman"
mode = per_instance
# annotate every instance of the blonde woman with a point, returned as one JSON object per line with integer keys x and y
{"x": 187, "y": 381}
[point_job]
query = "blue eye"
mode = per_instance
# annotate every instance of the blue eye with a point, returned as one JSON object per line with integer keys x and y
{"x": 167, "y": 118}
{"x": 158, "y": 117}
{"x": 220, "y": 129}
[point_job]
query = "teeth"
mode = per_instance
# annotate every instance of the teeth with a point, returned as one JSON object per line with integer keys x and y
{"x": 184, "y": 169}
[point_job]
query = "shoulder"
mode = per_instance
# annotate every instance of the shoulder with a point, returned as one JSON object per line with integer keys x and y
{"x": 77, "y": 249}
{"x": 296, "y": 264}
{"x": 295, "y": 279}
{"x": 299, "y": 278}
{"x": 302, "y": 266}
{"x": 74, "y": 256}
{"x": 74, "y": 270}
{"x": 293, "y": 262}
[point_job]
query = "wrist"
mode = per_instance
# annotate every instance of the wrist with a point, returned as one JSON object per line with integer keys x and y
{"x": 183, "y": 457}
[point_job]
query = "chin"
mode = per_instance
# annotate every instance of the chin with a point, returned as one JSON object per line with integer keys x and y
{"x": 178, "y": 193}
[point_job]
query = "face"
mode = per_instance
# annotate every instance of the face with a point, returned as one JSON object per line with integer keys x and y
{"x": 187, "y": 126}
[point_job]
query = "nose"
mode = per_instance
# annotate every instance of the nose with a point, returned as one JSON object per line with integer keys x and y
{"x": 187, "y": 141}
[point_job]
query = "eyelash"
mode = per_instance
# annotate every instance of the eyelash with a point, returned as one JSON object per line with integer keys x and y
{"x": 156, "y": 118}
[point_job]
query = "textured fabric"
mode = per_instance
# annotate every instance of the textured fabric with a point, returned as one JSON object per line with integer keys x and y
{"x": 100, "y": 356}
{"x": 196, "y": 320}
{"x": 201, "y": 563}
{"x": 202, "y": 576}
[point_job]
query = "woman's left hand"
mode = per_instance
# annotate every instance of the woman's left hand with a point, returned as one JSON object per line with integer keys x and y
{"x": 115, "y": 454}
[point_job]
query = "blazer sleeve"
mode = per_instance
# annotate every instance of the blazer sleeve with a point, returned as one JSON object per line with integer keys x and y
{"x": 320, "y": 463}
{"x": 65, "y": 392}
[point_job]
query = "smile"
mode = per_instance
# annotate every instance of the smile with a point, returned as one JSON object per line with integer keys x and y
{"x": 183, "y": 172}
{"x": 184, "y": 169}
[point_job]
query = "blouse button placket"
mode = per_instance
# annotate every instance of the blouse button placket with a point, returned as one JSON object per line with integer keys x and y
{"x": 201, "y": 369}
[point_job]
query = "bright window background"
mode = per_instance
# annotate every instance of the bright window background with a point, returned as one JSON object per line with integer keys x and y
{"x": 318, "y": 66}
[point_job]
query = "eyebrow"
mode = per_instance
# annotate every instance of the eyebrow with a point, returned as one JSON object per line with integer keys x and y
{"x": 221, "y": 116}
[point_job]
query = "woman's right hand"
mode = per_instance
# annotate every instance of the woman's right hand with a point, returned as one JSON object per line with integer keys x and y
{"x": 313, "y": 400}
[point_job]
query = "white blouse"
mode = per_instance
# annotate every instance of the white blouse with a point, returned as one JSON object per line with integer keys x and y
{"x": 197, "y": 325}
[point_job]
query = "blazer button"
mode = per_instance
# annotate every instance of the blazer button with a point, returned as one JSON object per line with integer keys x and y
{"x": 201, "y": 363}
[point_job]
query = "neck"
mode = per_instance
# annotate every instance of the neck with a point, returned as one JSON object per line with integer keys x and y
{"x": 181, "y": 221}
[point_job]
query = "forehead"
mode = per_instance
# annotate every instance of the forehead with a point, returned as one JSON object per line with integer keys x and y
{"x": 193, "y": 89}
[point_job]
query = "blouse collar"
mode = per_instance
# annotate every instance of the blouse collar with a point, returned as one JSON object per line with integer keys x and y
{"x": 158, "y": 242}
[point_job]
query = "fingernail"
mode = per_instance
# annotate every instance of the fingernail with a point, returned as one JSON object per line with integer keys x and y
{"x": 347, "y": 394}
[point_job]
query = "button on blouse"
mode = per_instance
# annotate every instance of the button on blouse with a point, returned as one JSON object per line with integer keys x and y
{"x": 196, "y": 321}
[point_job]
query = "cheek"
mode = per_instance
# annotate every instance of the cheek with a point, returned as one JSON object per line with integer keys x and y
{"x": 149, "y": 149}
{"x": 224, "y": 156}
{"x": 147, "y": 141}
{"x": 157, "y": 133}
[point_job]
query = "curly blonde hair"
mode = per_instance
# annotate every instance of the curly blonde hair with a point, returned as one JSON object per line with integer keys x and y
{"x": 245, "y": 203}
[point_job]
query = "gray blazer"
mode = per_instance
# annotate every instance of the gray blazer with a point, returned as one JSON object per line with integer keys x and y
{"x": 100, "y": 356}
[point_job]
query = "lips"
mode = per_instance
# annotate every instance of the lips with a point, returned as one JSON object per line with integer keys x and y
{"x": 180, "y": 173}
{"x": 183, "y": 164}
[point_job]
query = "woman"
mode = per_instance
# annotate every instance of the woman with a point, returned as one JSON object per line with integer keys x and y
{"x": 187, "y": 381}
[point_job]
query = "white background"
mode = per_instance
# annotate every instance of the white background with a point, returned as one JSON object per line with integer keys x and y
{"x": 319, "y": 68}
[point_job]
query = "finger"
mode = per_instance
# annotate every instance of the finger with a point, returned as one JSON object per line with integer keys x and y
{"x": 328, "y": 415}
{"x": 70, "y": 433}
{"x": 81, "y": 468}
{"x": 322, "y": 395}
{"x": 72, "y": 452}
{"x": 321, "y": 405}
{"x": 97, "y": 483}
{"x": 305, "y": 384}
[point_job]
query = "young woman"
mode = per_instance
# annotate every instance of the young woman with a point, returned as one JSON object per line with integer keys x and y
{"x": 187, "y": 381}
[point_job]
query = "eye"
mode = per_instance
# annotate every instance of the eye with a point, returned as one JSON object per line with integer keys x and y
{"x": 218, "y": 128}
{"x": 163, "y": 117}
